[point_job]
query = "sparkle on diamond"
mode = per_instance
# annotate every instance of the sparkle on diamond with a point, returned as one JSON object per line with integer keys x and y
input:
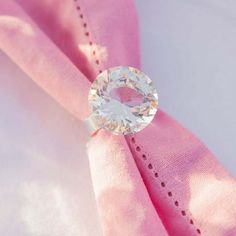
{"x": 109, "y": 112}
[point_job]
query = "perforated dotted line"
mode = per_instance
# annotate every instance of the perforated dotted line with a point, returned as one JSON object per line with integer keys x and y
{"x": 88, "y": 36}
{"x": 163, "y": 184}
{"x": 138, "y": 149}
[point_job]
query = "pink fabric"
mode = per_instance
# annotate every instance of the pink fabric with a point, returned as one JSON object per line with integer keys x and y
{"x": 161, "y": 181}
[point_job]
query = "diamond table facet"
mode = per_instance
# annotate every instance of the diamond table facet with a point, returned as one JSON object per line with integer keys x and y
{"x": 122, "y": 100}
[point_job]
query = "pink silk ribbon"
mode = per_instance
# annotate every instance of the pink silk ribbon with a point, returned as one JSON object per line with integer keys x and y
{"x": 160, "y": 181}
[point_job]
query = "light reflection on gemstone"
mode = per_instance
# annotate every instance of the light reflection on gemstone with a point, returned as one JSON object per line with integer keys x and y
{"x": 126, "y": 117}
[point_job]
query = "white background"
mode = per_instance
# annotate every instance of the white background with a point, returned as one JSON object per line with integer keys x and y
{"x": 188, "y": 49}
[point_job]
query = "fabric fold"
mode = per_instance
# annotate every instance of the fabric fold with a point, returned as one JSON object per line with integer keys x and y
{"x": 191, "y": 191}
{"x": 23, "y": 41}
{"x": 123, "y": 202}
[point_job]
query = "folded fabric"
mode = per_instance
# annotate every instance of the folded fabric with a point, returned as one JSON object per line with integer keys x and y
{"x": 160, "y": 181}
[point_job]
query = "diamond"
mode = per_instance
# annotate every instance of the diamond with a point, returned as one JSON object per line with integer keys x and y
{"x": 122, "y": 100}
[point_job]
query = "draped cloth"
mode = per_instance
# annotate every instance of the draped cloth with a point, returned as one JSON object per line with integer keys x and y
{"x": 160, "y": 181}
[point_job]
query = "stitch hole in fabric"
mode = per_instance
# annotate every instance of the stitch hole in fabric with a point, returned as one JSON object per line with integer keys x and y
{"x": 150, "y": 166}
{"x": 183, "y": 213}
{"x": 163, "y": 184}
{"x": 144, "y": 157}
{"x": 198, "y": 231}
